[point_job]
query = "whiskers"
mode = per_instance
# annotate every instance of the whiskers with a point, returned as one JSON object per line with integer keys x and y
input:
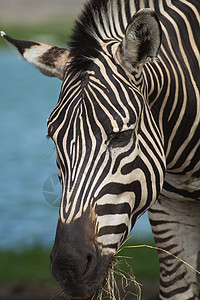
{"x": 56, "y": 292}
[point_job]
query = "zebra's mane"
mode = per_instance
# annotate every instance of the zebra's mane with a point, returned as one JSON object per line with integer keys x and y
{"x": 100, "y": 21}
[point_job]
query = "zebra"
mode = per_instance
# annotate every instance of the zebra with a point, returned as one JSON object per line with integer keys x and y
{"x": 126, "y": 129}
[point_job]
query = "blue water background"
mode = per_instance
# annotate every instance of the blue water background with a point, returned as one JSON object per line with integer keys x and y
{"x": 27, "y": 158}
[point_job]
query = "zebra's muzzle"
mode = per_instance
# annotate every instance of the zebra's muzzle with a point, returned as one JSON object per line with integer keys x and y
{"x": 76, "y": 260}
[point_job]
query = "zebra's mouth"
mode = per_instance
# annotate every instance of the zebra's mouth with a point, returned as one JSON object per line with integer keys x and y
{"x": 89, "y": 286}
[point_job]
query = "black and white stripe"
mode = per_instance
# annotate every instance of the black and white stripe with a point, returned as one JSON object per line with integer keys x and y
{"x": 126, "y": 129}
{"x": 100, "y": 167}
{"x": 124, "y": 120}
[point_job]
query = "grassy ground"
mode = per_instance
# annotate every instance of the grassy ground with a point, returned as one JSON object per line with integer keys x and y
{"x": 28, "y": 271}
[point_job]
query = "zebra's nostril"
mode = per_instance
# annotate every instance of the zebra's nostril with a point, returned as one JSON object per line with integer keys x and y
{"x": 88, "y": 266}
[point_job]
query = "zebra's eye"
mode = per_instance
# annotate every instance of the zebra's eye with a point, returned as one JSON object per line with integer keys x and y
{"x": 120, "y": 139}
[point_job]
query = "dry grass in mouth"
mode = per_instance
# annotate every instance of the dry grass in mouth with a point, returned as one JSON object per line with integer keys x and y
{"x": 115, "y": 289}
{"x": 118, "y": 283}
{"x": 163, "y": 250}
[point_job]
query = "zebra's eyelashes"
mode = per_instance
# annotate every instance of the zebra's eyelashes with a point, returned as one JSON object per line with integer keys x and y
{"x": 119, "y": 139}
{"x": 50, "y": 131}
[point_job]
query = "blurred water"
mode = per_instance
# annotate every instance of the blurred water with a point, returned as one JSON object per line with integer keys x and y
{"x": 27, "y": 158}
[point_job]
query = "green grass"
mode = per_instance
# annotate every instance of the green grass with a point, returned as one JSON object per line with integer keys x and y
{"x": 33, "y": 264}
{"x": 29, "y": 265}
{"x": 55, "y": 32}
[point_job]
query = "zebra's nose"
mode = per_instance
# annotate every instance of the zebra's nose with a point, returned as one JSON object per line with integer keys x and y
{"x": 72, "y": 264}
{"x": 75, "y": 259}
{"x": 75, "y": 270}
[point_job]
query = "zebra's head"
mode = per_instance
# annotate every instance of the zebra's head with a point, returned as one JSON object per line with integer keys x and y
{"x": 110, "y": 155}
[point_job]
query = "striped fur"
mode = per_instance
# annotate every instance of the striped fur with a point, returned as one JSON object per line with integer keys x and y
{"x": 103, "y": 100}
{"x": 124, "y": 121}
{"x": 171, "y": 88}
{"x": 103, "y": 168}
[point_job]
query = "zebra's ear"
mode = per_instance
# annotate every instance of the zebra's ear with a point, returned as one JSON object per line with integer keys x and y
{"x": 50, "y": 60}
{"x": 142, "y": 39}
